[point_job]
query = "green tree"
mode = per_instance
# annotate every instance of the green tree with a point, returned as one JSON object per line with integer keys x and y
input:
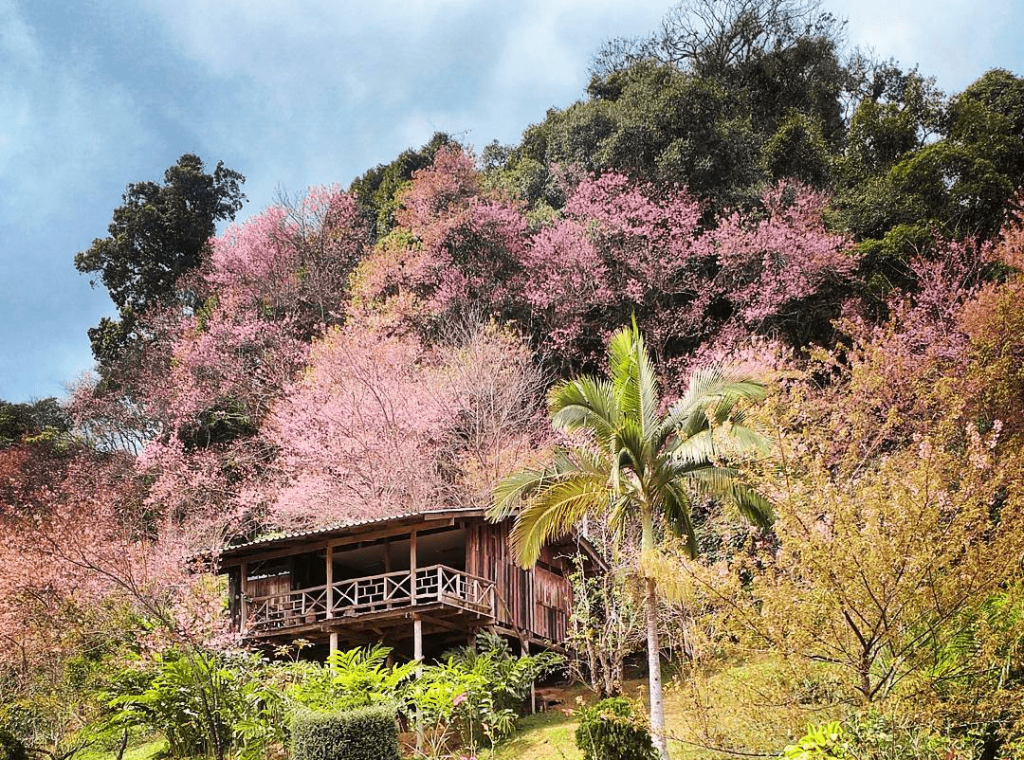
{"x": 916, "y": 164}
{"x": 157, "y": 235}
{"x": 43, "y": 417}
{"x": 638, "y": 465}
{"x": 376, "y": 190}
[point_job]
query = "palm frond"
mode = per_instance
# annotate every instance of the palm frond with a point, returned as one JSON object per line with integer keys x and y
{"x": 633, "y": 377}
{"x": 732, "y": 394}
{"x": 554, "y": 511}
{"x": 625, "y": 372}
{"x": 700, "y": 390}
{"x": 513, "y": 489}
{"x": 716, "y": 389}
{"x": 742, "y": 442}
{"x": 632, "y": 446}
{"x": 697, "y": 450}
{"x": 648, "y": 385}
{"x": 723, "y": 484}
{"x": 676, "y": 509}
{"x": 586, "y": 402}
{"x": 753, "y": 505}
{"x": 518, "y": 488}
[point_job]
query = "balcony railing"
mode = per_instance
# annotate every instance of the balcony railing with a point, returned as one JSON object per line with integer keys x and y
{"x": 372, "y": 594}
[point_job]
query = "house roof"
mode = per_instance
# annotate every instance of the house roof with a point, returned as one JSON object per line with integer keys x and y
{"x": 282, "y": 540}
{"x": 294, "y": 540}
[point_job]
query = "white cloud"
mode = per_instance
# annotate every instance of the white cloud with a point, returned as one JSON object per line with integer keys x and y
{"x": 954, "y": 40}
{"x": 60, "y": 126}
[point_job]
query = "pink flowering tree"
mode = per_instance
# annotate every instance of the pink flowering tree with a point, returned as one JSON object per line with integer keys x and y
{"x": 490, "y": 389}
{"x": 618, "y": 249}
{"x": 291, "y": 263}
{"x": 782, "y": 270}
{"x": 456, "y": 248}
{"x": 380, "y": 425}
{"x": 355, "y": 433}
{"x": 272, "y": 283}
{"x": 77, "y": 543}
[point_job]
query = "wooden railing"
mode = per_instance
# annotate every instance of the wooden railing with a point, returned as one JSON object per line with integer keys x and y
{"x": 308, "y": 605}
{"x": 374, "y": 593}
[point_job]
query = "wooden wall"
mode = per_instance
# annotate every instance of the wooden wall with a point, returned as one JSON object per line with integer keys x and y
{"x": 537, "y": 600}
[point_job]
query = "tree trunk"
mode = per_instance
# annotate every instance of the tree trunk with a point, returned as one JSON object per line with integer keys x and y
{"x": 654, "y": 676}
{"x": 653, "y": 648}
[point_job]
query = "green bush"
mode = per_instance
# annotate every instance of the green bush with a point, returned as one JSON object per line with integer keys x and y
{"x": 368, "y": 733}
{"x": 193, "y": 698}
{"x": 824, "y": 742}
{"x": 11, "y": 747}
{"x": 613, "y": 730}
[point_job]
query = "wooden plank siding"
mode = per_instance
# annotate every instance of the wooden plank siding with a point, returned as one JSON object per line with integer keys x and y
{"x": 536, "y": 601}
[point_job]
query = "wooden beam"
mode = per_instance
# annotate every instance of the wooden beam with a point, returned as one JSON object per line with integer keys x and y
{"x": 412, "y": 567}
{"x": 440, "y": 623}
{"x": 417, "y": 637}
{"x": 330, "y": 582}
{"x": 243, "y": 602}
{"x": 417, "y": 654}
{"x": 398, "y": 530}
{"x": 297, "y": 547}
{"x": 258, "y": 556}
{"x": 533, "y": 684}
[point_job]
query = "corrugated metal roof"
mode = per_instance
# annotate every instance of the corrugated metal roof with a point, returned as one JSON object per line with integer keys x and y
{"x": 347, "y": 525}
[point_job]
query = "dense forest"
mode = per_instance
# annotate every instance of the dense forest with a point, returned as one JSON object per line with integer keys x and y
{"x": 820, "y": 242}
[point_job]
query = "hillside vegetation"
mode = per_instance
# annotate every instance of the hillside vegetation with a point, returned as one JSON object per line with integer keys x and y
{"x": 736, "y": 199}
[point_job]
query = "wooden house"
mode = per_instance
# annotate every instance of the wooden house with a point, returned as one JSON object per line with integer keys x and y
{"x": 426, "y": 579}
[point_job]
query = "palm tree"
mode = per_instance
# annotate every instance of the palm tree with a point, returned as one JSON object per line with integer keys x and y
{"x": 638, "y": 465}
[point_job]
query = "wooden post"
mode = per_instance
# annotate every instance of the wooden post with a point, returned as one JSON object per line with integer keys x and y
{"x": 387, "y": 555}
{"x": 412, "y": 568}
{"x": 243, "y": 602}
{"x": 417, "y": 652}
{"x": 417, "y": 637}
{"x": 524, "y": 651}
{"x": 330, "y": 584}
{"x": 334, "y": 642}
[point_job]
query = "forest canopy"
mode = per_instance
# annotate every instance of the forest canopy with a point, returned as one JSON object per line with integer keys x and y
{"x": 737, "y": 189}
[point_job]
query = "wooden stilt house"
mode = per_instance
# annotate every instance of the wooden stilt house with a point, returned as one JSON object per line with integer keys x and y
{"x": 427, "y": 579}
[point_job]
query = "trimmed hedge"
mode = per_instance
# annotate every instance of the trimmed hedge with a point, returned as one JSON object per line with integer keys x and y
{"x": 11, "y": 747}
{"x": 368, "y": 733}
{"x": 611, "y": 730}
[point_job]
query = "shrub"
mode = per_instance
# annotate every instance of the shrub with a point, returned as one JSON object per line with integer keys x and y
{"x": 613, "y": 730}
{"x": 825, "y": 742}
{"x": 875, "y": 736}
{"x": 472, "y": 698}
{"x": 11, "y": 747}
{"x": 193, "y": 698}
{"x": 369, "y": 733}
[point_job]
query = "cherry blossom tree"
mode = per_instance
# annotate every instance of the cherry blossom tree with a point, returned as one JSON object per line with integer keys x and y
{"x": 354, "y": 433}
{"x": 380, "y": 425}
{"x": 456, "y": 245}
{"x": 783, "y": 270}
{"x": 618, "y": 249}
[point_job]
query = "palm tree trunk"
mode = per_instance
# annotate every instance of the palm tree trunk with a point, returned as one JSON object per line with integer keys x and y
{"x": 653, "y": 647}
{"x": 654, "y": 668}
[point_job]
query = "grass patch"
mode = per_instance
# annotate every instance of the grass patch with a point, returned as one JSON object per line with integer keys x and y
{"x": 146, "y": 748}
{"x": 754, "y": 707}
{"x": 545, "y": 736}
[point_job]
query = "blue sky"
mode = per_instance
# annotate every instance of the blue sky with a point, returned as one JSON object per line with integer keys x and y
{"x": 95, "y": 94}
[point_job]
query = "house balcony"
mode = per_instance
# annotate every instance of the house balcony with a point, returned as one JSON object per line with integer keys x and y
{"x": 359, "y": 608}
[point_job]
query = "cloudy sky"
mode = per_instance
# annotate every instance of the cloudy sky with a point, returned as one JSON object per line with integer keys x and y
{"x": 95, "y": 94}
